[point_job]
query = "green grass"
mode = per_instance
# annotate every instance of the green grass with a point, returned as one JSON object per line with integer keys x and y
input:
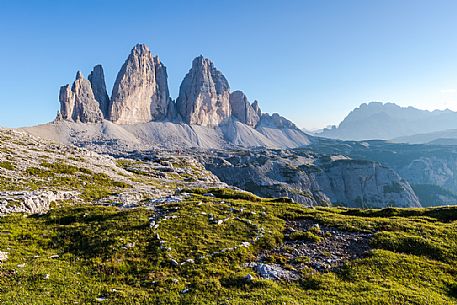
{"x": 105, "y": 251}
{"x": 92, "y": 186}
{"x": 7, "y": 165}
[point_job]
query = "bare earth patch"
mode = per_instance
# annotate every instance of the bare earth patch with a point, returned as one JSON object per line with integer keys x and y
{"x": 313, "y": 248}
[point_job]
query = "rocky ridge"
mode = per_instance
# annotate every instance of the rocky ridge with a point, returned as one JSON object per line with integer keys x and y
{"x": 140, "y": 95}
{"x": 78, "y": 103}
{"x": 33, "y": 179}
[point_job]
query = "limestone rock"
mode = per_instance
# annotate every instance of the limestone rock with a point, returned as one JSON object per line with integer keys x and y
{"x": 276, "y": 121}
{"x": 35, "y": 202}
{"x": 97, "y": 81}
{"x": 204, "y": 95}
{"x": 242, "y": 109}
{"x": 365, "y": 184}
{"x": 140, "y": 93}
{"x": 78, "y": 103}
{"x": 256, "y": 108}
{"x": 67, "y": 102}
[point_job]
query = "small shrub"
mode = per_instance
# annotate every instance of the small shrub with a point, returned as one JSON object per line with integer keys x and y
{"x": 307, "y": 236}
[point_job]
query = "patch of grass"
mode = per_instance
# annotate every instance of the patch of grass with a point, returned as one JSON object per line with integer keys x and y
{"x": 191, "y": 258}
{"x": 7, "y": 165}
{"x": 306, "y": 236}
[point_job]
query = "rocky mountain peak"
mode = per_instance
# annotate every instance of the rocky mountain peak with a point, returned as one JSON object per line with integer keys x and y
{"x": 276, "y": 121}
{"x": 79, "y": 75}
{"x": 256, "y": 108}
{"x": 243, "y": 110}
{"x": 97, "y": 81}
{"x": 204, "y": 95}
{"x": 140, "y": 93}
{"x": 78, "y": 103}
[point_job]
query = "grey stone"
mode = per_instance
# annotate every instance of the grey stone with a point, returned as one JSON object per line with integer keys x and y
{"x": 204, "y": 95}
{"x": 97, "y": 81}
{"x": 140, "y": 93}
{"x": 78, "y": 103}
{"x": 242, "y": 109}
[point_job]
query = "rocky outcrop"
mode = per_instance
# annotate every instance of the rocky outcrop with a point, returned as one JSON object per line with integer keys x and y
{"x": 275, "y": 121}
{"x": 36, "y": 202}
{"x": 140, "y": 93}
{"x": 97, "y": 81}
{"x": 312, "y": 181}
{"x": 204, "y": 95}
{"x": 67, "y": 103}
{"x": 365, "y": 184}
{"x": 78, "y": 103}
{"x": 242, "y": 110}
{"x": 256, "y": 108}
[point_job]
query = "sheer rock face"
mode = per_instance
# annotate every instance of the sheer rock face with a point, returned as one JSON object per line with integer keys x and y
{"x": 256, "y": 108}
{"x": 78, "y": 103}
{"x": 204, "y": 95}
{"x": 67, "y": 102}
{"x": 97, "y": 81}
{"x": 140, "y": 93}
{"x": 243, "y": 110}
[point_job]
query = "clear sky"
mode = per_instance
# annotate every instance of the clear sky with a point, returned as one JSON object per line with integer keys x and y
{"x": 310, "y": 60}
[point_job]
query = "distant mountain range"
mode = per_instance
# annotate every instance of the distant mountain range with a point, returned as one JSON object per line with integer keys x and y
{"x": 388, "y": 121}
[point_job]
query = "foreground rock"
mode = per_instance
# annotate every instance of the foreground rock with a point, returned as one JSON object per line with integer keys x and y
{"x": 34, "y": 202}
{"x": 34, "y": 173}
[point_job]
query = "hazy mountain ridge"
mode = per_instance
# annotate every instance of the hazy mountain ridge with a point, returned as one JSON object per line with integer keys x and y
{"x": 388, "y": 121}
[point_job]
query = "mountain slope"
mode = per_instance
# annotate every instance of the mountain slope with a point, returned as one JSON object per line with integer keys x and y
{"x": 169, "y": 135}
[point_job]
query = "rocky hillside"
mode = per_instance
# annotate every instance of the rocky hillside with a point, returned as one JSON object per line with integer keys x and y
{"x": 312, "y": 179}
{"x": 35, "y": 173}
{"x": 431, "y": 170}
{"x": 158, "y": 228}
{"x": 228, "y": 248}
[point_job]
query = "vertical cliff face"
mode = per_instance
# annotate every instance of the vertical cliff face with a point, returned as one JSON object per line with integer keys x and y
{"x": 204, "y": 95}
{"x": 67, "y": 102}
{"x": 97, "y": 82}
{"x": 78, "y": 103}
{"x": 140, "y": 93}
{"x": 365, "y": 184}
{"x": 243, "y": 110}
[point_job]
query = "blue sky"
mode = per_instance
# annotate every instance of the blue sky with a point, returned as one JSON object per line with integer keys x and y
{"x": 310, "y": 60}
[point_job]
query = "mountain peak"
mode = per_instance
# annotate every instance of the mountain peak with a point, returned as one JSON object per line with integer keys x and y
{"x": 386, "y": 121}
{"x": 140, "y": 93}
{"x": 79, "y": 75}
{"x": 204, "y": 94}
{"x": 97, "y": 81}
